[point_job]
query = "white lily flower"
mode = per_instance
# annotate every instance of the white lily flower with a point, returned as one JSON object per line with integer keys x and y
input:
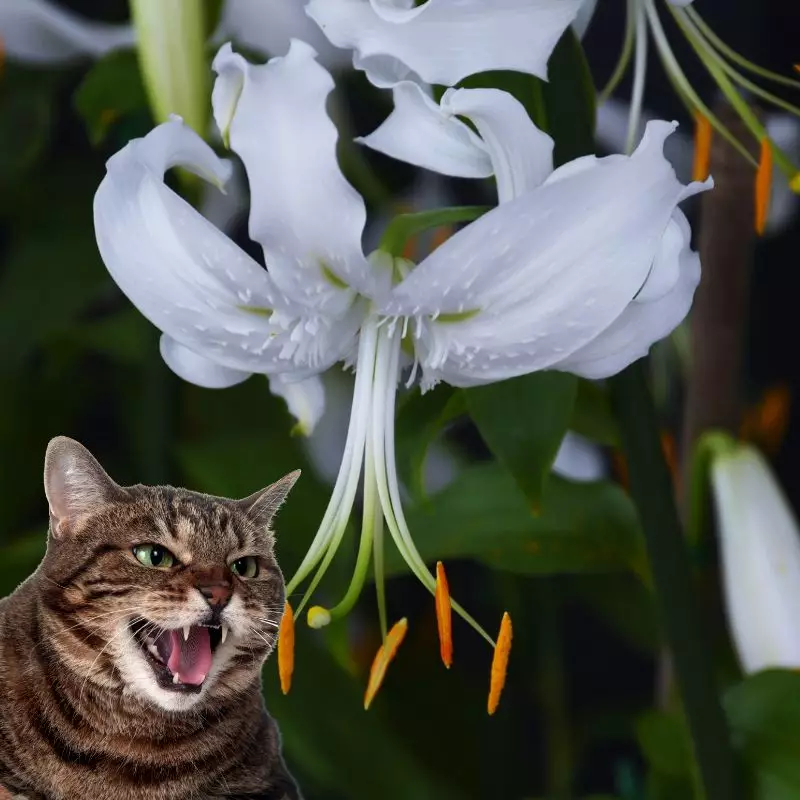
{"x": 579, "y": 459}
{"x": 443, "y": 41}
{"x": 579, "y": 269}
{"x": 460, "y": 335}
{"x": 760, "y": 544}
{"x": 41, "y": 32}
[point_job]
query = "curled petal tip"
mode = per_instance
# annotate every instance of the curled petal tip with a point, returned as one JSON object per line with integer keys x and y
{"x": 444, "y": 616}
{"x": 500, "y": 663}
{"x": 286, "y": 649}
{"x": 763, "y": 185}
{"x": 318, "y": 617}
{"x": 386, "y": 652}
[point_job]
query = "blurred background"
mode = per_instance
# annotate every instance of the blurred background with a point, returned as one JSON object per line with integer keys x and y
{"x": 585, "y": 712}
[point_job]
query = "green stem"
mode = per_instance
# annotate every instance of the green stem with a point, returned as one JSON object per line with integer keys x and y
{"x": 651, "y": 489}
{"x": 553, "y": 691}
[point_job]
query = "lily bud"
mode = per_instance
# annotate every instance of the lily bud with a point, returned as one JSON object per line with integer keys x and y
{"x": 171, "y": 40}
{"x": 760, "y": 550}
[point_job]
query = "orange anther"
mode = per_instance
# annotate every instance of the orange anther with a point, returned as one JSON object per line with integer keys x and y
{"x": 286, "y": 649}
{"x": 702, "y": 147}
{"x": 500, "y": 663}
{"x": 763, "y": 185}
{"x": 386, "y": 652}
{"x": 444, "y": 616}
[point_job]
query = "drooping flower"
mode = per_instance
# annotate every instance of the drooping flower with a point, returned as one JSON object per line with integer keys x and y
{"x": 760, "y": 549}
{"x": 578, "y": 269}
{"x": 44, "y": 32}
{"x": 40, "y": 32}
{"x": 443, "y": 41}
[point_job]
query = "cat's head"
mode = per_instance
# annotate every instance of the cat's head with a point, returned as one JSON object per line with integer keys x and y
{"x": 171, "y": 595}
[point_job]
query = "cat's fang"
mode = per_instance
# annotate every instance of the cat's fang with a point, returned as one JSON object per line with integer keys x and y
{"x": 187, "y": 629}
{"x": 223, "y": 634}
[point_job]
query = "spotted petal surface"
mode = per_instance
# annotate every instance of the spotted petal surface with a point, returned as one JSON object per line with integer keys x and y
{"x": 539, "y": 278}
{"x": 222, "y": 315}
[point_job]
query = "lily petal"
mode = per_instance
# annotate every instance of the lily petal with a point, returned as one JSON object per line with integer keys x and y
{"x": 522, "y": 155}
{"x": 443, "y": 41}
{"x": 267, "y": 27}
{"x": 304, "y": 214}
{"x": 579, "y": 459}
{"x": 760, "y": 544}
{"x": 428, "y": 135}
{"x": 536, "y": 279}
{"x": 653, "y": 314}
{"x": 584, "y": 18}
{"x": 305, "y": 400}
{"x": 194, "y": 283}
{"x": 43, "y": 33}
{"x": 423, "y": 133}
{"x": 198, "y": 369}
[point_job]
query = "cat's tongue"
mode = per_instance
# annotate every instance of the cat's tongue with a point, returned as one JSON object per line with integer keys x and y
{"x": 190, "y": 659}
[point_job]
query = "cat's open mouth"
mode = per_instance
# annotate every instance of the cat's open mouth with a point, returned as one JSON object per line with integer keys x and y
{"x": 180, "y": 658}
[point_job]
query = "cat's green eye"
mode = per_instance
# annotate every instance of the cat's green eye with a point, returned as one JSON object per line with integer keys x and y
{"x": 246, "y": 567}
{"x": 153, "y": 555}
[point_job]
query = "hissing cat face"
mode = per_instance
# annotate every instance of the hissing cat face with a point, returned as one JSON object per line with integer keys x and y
{"x": 164, "y": 593}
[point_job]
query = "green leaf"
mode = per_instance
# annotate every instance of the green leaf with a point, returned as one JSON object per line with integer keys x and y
{"x": 110, "y": 91}
{"x": 665, "y": 743}
{"x": 764, "y": 715}
{"x": 569, "y": 100}
{"x": 523, "y": 420}
{"x": 592, "y": 416}
{"x": 420, "y": 419}
{"x": 405, "y": 226}
{"x": 26, "y": 120}
{"x": 581, "y": 527}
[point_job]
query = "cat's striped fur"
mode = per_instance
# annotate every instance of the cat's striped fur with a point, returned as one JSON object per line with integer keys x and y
{"x": 82, "y": 714}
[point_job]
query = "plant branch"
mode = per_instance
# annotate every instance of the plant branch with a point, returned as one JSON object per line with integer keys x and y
{"x": 652, "y": 492}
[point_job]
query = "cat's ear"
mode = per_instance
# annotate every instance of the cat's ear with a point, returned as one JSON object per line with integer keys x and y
{"x": 75, "y": 485}
{"x": 262, "y": 506}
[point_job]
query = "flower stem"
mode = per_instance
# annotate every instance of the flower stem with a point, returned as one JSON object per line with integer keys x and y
{"x": 651, "y": 489}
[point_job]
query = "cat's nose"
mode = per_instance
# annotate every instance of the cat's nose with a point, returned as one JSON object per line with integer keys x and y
{"x": 217, "y": 595}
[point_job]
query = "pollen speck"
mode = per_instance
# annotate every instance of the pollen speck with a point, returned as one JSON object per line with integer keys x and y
{"x": 444, "y": 616}
{"x": 763, "y": 185}
{"x": 500, "y": 663}
{"x": 286, "y": 649}
{"x": 702, "y": 147}
{"x": 386, "y": 652}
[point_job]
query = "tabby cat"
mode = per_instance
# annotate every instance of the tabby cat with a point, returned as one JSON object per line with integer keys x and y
{"x": 130, "y": 660}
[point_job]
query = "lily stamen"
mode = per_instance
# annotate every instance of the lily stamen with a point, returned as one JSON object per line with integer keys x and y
{"x": 702, "y": 147}
{"x": 500, "y": 663}
{"x": 286, "y": 649}
{"x": 444, "y": 616}
{"x": 763, "y": 185}
{"x": 386, "y": 652}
